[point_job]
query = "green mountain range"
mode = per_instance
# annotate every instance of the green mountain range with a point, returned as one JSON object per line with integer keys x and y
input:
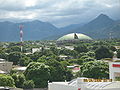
{"x": 100, "y": 27}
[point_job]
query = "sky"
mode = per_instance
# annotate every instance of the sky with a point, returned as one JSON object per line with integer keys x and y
{"x": 58, "y": 12}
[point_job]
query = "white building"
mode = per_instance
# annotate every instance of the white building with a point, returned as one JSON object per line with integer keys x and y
{"x": 69, "y": 47}
{"x": 85, "y": 84}
{"x": 36, "y": 49}
{"x": 114, "y": 69}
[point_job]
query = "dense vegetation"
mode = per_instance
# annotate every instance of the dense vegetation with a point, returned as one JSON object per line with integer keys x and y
{"x": 47, "y": 65}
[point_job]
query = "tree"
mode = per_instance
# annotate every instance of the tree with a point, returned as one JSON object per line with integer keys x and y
{"x": 3, "y": 55}
{"x": 24, "y": 61}
{"x": 95, "y": 69}
{"x": 68, "y": 52}
{"x": 103, "y": 52}
{"x": 19, "y": 80}
{"x": 81, "y": 48}
{"x": 29, "y": 84}
{"x": 13, "y": 49}
{"x": 118, "y": 53}
{"x": 39, "y": 73}
{"x": 14, "y": 57}
{"x": 58, "y": 72}
{"x": 90, "y": 54}
{"x": 6, "y": 80}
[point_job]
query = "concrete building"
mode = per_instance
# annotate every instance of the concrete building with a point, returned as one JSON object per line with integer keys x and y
{"x": 36, "y": 49}
{"x": 114, "y": 69}
{"x": 5, "y": 66}
{"x": 85, "y": 84}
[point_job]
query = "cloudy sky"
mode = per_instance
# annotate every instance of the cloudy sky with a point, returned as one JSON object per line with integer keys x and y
{"x": 58, "y": 12}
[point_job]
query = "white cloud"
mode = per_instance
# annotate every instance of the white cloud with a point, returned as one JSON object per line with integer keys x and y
{"x": 59, "y": 12}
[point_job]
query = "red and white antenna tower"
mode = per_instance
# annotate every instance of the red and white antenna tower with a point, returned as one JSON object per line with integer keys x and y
{"x": 21, "y": 36}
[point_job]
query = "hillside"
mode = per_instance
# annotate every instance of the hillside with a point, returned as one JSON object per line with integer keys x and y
{"x": 99, "y": 28}
{"x": 34, "y": 30}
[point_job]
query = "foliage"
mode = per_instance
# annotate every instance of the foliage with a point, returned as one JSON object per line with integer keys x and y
{"x": 3, "y": 55}
{"x": 91, "y": 54}
{"x": 68, "y": 52}
{"x": 81, "y": 48}
{"x": 58, "y": 72}
{"x": 14, "y": 57}
{"x": 28, "y": 84}
{"x": 39, "y": 73}
{"x": 117, "y": 78}
{"x": 19, "y": 80}
{"x": 24, "y": 61}
{"x": 95, "y": 69}
{"x": 13, "y": 49}
{"x": 6, "y": 80}
{"x": 118, "y": 53}
{"x": 103, "y": 52}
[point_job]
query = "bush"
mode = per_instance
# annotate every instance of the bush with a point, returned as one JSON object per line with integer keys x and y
{"x": 28, "y": 84}
{"x": 6, "y": 80}
{"x": 19, "y": 80}
{"x": 118, "y": 53}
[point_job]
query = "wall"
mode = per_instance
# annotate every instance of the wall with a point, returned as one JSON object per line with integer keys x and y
{"x": 113, "y": 70}
{"x": 6, "y": 66}
{"x": 60, "y": 87}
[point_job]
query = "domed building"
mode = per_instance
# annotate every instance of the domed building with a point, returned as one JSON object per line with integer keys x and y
{"x": 73, "y": 37}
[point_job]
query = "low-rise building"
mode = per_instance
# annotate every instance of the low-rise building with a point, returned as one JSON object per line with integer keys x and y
{"x": 114, "y": 69}
{"x": 36, "y": 49}
{"x": 85, "y": 84}
{"x": 5, "y": 66}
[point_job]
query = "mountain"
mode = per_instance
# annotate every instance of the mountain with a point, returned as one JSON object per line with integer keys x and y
{"x": 33, "y": 30}
{"x": 99, "y": 28}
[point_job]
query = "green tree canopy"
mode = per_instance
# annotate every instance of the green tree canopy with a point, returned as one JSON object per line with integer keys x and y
{"x": 118, "y": 53}
{"x": 103, "y": 52}
{"x": 29, "y": 84}
{"x": 14, "y": 57}
{"x": 81, "y": 48}
{"x": 19, "y": 80}
{"x": 39, "y": 73}
{"x": 58, "y": 72}
{"x": 6, "y": 80}
{"x": 24, "y": 61}
{"x": 95, "y": 69}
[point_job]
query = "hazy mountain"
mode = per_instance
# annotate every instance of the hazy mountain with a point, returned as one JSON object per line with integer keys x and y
{"x": 100, "y": 27}
{"x": 97, "y": 27}
{"x": 33, "y": 30}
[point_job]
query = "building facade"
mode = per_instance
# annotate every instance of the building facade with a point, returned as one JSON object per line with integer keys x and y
{"x": 85, "y": 84}
{"x": 114, "y": 69}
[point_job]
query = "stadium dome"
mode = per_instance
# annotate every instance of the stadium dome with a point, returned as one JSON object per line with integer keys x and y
{"x": 74, "y": 36}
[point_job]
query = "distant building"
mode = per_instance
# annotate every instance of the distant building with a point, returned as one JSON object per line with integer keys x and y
{"x": 69, "y": 47}
{"x": 5, "y": 66}
{"x": 64, "y": 57}
{"x": 72, "y": 38}
{"x": 36, "y": 49}
{"x": 74, "y": 68}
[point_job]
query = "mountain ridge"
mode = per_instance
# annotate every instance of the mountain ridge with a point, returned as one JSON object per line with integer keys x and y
{"x": 98, "y": 28}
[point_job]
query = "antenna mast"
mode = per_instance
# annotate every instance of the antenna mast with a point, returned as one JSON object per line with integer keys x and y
{"x": 21, "y": 36}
